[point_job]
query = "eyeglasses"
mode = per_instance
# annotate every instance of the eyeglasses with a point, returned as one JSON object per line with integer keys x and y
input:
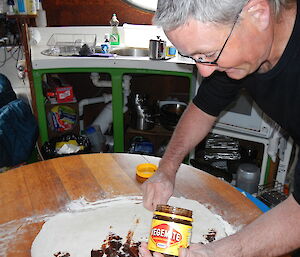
{"x": 215, "y": 62}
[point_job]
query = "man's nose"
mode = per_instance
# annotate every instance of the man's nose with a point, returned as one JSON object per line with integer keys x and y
{"x": 205, "y": 70}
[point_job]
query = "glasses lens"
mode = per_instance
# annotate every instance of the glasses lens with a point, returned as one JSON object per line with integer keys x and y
{"x": 201, "y": 60}
{"x": 206, "y": 62}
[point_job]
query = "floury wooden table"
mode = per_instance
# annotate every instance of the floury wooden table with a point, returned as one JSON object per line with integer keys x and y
{"x": 34, "y": 191}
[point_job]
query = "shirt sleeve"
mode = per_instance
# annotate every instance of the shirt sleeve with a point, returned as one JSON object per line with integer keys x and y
{"x": 296, "y": 192}
{"x": 216, "y": 92}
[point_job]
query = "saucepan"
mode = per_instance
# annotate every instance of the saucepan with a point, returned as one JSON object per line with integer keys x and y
{"x": 170, "y": 114}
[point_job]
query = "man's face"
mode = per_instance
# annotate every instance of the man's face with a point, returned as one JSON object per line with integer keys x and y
{"x": 245, "y": 51}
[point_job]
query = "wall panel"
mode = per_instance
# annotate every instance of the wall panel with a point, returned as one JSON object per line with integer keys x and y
{"x": 92, "y": 12}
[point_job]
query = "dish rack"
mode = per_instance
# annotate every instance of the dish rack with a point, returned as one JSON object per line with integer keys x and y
{"x": 69, "y": 44}
{"x": 271, "y": 194}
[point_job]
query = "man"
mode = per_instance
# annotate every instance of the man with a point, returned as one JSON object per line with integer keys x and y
{"x": 251, "y": 44}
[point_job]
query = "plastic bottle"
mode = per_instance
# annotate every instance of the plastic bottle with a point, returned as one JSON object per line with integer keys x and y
{"x": 114, "y": 35}
{"x": 105, "y": 45}
{"x": 11, "y": 5}
{"x": 1, "y": 7}
{"x": 96, "y": 138}
{"x": 31, "y": 7}
{"x": 21, "y": 6}
{"x": 41, "y": 20}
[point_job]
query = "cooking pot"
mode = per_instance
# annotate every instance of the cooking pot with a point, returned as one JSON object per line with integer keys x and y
{"x": 157, "y": 49}
{"x": 170, "y": 114}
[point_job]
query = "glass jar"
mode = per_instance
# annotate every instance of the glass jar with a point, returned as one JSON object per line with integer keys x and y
{"x": 171, "y": 229}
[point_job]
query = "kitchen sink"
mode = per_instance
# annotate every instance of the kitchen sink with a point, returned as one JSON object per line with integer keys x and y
{"x": 131, "y": 51}
{"x": 74, "y": 51}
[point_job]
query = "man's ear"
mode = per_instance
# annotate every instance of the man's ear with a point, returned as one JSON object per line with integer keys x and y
{"x": 259, "y": 12}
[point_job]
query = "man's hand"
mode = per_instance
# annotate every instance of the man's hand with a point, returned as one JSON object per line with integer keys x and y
{"x": 158, "y": 189}
{"x": 193, "y": 126}
{"x": 144, "y": 252}
{"x": 198, "y": 250}
{"x": 195, "y": 250}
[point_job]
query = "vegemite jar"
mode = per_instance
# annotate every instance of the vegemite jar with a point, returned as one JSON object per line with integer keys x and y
{"x": 170, "y": 230}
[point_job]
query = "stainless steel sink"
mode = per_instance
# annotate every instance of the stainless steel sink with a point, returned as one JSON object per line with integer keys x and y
{"x": 131, "y": 51}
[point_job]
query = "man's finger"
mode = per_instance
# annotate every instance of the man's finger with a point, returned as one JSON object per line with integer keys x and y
{"x": 183, "y": 252}
{"x": 156, "y": 254}
{"x": 143, "y": 250}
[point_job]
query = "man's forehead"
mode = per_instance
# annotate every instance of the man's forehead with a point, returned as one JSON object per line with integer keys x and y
{"x": 197, "y": 37}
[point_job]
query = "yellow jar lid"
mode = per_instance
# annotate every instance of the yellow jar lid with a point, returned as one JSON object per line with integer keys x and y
{"x": 145, "y": 170}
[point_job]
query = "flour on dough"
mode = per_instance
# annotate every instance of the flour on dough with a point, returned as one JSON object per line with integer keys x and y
{"x": 86, "y": 225}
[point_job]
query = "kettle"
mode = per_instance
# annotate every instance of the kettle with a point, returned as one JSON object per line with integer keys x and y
{"x": 157, "y": 49}
{"x": 142, "y": 116}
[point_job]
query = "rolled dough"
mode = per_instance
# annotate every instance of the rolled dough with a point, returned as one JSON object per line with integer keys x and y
{"x": 85, "y": 225}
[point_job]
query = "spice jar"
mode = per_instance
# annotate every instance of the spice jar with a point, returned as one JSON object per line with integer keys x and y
{"x": 171, "y": 229}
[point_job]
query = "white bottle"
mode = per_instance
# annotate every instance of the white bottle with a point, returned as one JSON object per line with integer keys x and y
{"x": 114, "y": 38}
{"x": 1, "y": 7}
{"x": 37, "y": 4}
{"x": 10, "y": 6}
{"x": 96, "y": 138}
{"x": 41, "y": 19}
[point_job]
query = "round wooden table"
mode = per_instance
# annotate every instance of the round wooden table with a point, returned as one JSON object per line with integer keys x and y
{"x": 31, "y": 192}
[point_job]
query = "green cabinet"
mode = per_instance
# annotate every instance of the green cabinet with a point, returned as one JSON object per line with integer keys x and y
{"x": 116, "y": 75}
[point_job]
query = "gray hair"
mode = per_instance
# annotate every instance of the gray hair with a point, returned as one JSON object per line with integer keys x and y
{"x": 171, "y": 14}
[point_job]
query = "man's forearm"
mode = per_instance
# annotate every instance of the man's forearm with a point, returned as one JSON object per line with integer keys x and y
{"x": 193, "y": 126}
{"x": 273, "y": 234}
